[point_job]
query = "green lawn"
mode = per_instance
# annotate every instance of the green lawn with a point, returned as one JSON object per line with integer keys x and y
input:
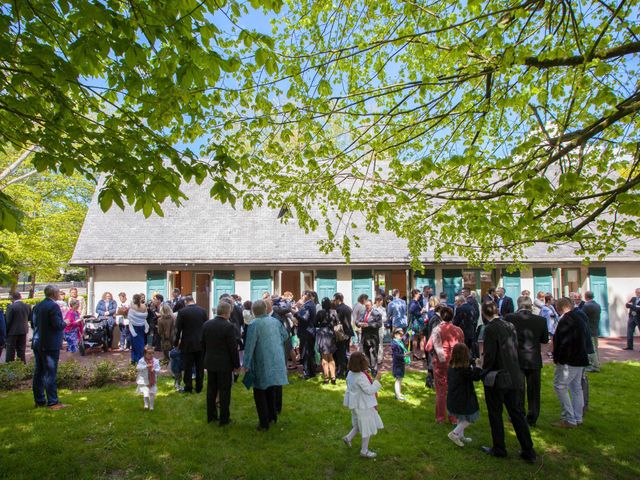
{"x": 106, "y": 434}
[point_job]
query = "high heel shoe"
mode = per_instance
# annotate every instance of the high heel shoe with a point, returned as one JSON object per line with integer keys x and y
{"x": 333, "y": 381}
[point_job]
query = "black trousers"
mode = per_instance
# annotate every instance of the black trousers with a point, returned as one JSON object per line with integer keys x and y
{"x": 278, "y": 393}
{"x": 189, "y": 360}
{"x": 219, "y": 384}
{"x": 532, "y": 385}
{"x": 266, "y": 405}
{"x": 340, "y": 357}
{"x": 495, "y": 399}
{"x": 308, "y": 353}
{"x": 370, "y": 346}
{"x": 16, "y": 344}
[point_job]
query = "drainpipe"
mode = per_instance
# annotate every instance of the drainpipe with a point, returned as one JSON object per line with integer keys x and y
{"x": 91, "y": 291}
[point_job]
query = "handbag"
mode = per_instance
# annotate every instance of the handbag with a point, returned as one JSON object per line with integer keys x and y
{"x": 500, "y": 379}
{"x": 339, "y": 332}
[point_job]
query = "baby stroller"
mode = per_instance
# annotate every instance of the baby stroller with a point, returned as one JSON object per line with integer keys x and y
{"x": 95, "y": 334}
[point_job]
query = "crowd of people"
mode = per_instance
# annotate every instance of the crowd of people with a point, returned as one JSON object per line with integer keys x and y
{"x": 491, "y": 339}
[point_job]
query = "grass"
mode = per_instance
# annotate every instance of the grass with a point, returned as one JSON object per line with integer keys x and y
{"x": 107, "y": 435}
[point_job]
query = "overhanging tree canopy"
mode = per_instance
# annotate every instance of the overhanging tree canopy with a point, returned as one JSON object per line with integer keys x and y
{"x": 475, "y": 127}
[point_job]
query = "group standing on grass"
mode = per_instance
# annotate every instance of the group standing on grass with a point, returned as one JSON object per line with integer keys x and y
{"x": 462, "y": 343}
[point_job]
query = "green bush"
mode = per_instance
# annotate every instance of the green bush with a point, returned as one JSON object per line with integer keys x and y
{"x": 103, "y": 373}
{"x": 12, "y": 374}
{"x": 128, "y": 374}
{"x": 71, "y": 374}
{"x": 5, "y": 302}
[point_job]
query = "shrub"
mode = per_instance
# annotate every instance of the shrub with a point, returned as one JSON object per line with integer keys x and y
{"x": 103, "y": 373}
{"x": 13, "y": 373}
{"x": 70, "y": 374}
{"x": 127, "y": 374}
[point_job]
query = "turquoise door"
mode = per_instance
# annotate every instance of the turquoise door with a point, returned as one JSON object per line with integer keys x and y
{"x": 542, "y": 281}
{"x": 511, "y": 283}
{"x": 451, "y": 283}
{"x": 361, "y": 281}
{"x": 598, "y": 282}
{"x": 327, "y": 284}
{"x": 156, "y": 283}
{"x": 425, "y": 279}
{"x": 223, "y": 282}
{"x": 260, "y": 283}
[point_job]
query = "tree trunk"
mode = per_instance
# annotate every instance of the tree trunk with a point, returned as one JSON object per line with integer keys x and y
{"x": 32, "y": 289}
{"x": 13, "y": 286}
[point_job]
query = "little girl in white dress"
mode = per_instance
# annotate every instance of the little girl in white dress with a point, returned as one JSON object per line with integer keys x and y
{"x": 148, "y": 369}
{"x": 360, "y": 398}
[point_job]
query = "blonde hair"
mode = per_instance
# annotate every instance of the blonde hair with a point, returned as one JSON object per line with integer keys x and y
{"x": 149, "y": 349}
{"x": 166, "y": 310}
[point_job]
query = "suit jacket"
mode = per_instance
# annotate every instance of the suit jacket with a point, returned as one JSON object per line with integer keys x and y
{"x": 464, "y": 318}
{"x": 633, "y": 309}
{"x": 593, "y": 311}
{"x": 507, "y": 306}
{"x": 306, "y": 319}
{"x": 532, "y": 331}
{"x": 372, "y": 327}
{"x": 501, "y": 350}
{"x": 344, "y": 317}
{"x": 220, "y": 346}
{"x": 570, "y": 342}
{"x": 189, "y": 328}
{"x": 17, "y": 317}
{"x": 48, "y": 325}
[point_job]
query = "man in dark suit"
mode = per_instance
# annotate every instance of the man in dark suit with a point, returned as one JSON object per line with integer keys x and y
{"x": 593, "y": 311}
{"x": 221, "y": 359}
{"x": 501, "y": 355}
{"x": 634, "y": 318}
{"x": 344, "y": 317}
{"x": 464, "y": 318}
{"x": 48, "y": 326}
{"x": 370, "y": 322}
{"x": 532, "y": 331}
{"x": 306, "y": 318}
{"x": 189, "y": 340}
{"x": 505, "y": 304}
{"x": 17, "y": 317}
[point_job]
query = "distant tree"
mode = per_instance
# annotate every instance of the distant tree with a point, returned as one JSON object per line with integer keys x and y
{"x": 53, "y": 207}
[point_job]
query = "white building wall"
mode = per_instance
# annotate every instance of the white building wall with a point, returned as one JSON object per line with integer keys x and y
{"x": 622, "y": 280}
{"x": 129, "y": 279}
{"x": 243, "y": 282}
{"x": 343, "y": 277}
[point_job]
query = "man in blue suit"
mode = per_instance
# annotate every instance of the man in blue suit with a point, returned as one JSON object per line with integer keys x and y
{"x": 48, "y": 326}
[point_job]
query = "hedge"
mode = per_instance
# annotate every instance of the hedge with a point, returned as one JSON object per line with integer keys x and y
{"x": 5, "y": 302}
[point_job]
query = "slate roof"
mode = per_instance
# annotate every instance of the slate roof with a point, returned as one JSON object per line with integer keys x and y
{"x": 205, "y": 232}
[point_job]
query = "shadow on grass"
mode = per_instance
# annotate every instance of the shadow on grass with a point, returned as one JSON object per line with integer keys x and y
{"x": 106, "y": 434}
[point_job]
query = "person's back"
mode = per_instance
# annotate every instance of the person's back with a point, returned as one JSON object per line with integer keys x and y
{"x": 17, "y": 318}
{"x": 220, "y": 346}
{"x": 264, "y": 352}
{"x": 531, "y": 331}
{"x": 189, "y": 327}
{"x": 593, "y": 311}
{"x": 570, "y": 341}
{"x": 501, "y": 349}
{"x": 49, "y": 325}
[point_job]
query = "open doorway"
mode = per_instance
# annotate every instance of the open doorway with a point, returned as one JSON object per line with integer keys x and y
{"x": 295, "y": 281}
{"x": 388, "y": 280}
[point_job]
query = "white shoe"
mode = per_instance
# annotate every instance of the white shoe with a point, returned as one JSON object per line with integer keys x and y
{"x": 401, "y": 398}
{"x": 467, "y": 439}
{"x": 455, "y": 439}
{"x": 346, "y": 441}
{"x": 368, "y": 454}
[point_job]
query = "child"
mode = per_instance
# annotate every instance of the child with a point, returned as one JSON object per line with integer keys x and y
{"x": 176, "y": 367}
{"x": 360, "y": 398}
{"x": 462, "y": 402}
{"x": 148, "y": 369}
{"x": 400, "y": 358}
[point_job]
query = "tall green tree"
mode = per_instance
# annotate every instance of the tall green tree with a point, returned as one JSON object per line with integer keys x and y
{"x": 467, "y": 127}
{"x": 52, "y": 208}
{"x": 111, "y": 87}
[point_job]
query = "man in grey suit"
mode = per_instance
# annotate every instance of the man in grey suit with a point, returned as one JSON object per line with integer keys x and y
{"x": 593, "y": 312}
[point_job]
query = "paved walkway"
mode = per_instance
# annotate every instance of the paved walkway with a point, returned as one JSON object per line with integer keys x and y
{"x": 610, "y": 350}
